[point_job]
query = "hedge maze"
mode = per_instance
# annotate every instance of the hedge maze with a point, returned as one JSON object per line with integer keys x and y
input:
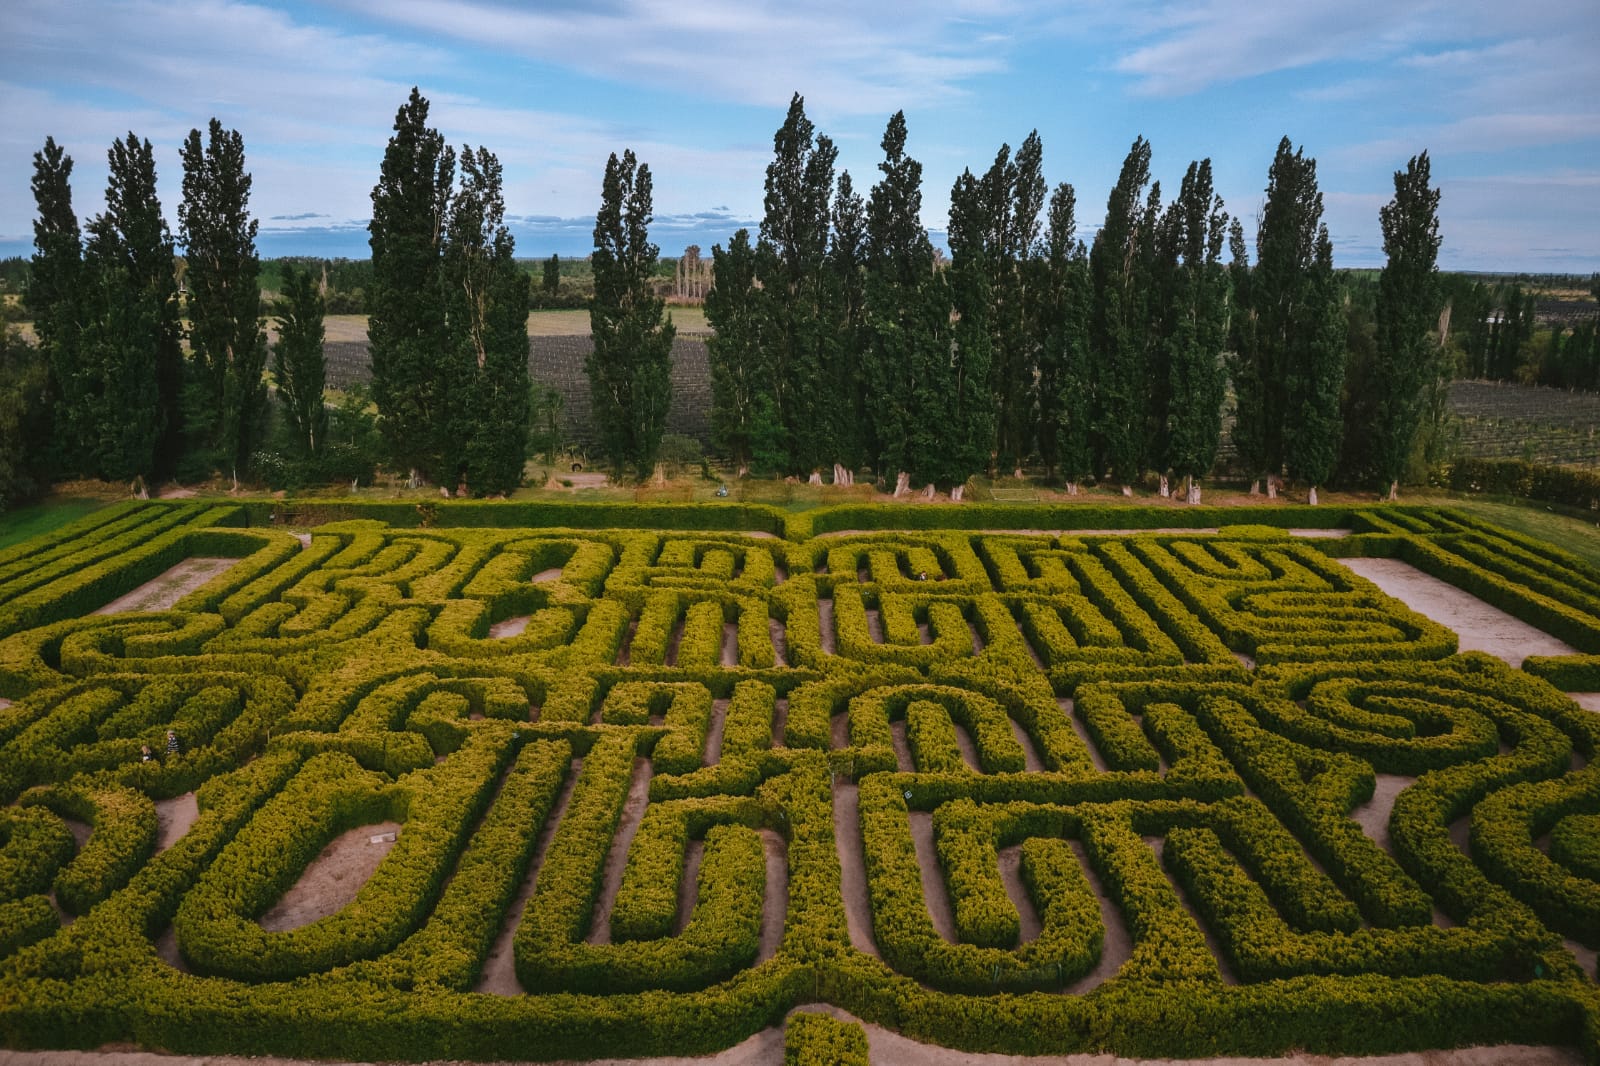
{"x": 1161, "y": 793}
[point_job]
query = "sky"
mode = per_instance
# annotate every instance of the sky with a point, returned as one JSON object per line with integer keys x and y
{"x": 1504, "y": 98}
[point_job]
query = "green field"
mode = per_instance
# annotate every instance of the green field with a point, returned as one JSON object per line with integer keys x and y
{"x": 561, "y": 781}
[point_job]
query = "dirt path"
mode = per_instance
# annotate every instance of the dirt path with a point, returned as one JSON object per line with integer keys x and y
{"x": 886, "y": 1048}
{"x": 825, "y": 621}
{"x": 617, "y": 857}
{"x": 333, "y": 878}
{"x": 719, "y": 722}
{"x": 852, "y": 866}
{"x": 730, "y": 644}
{"x": 1030, "y": 753}
{"x": 1095, "y": 758}
{"x": 1480, "y": 626}
{"x": 173, "y": 819}
{"x": 1011, "y": 876}
{"x": 511, "y": 627}
{"x": 499, "y": 976}
{"x": 166, "y": 589}
{"x": 1116, "y": 945}
{"x": 934, "y": 892}
{"x": 775, "y": 905}
{"x": 1373, "y": 815}
{"x": 780, "y": 643}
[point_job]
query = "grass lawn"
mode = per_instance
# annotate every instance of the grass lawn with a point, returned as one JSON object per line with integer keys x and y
{"x": 1536, "y": 519}
{"x": 37, "y": 518}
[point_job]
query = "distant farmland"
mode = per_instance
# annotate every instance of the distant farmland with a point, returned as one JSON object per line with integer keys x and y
{"x": 557, "y": 361}
{"x": 1548, "y": 426}
{"x": 1493, "y": 420}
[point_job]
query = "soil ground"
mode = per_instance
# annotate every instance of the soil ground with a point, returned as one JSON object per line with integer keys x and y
{"x": 163, "y": 591}
{"x": 1480, "y": 626}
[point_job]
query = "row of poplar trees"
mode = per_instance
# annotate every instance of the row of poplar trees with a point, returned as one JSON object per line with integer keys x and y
{"x": 447, "y": 313}
{"x": 842, "y": 340}
{"x": 124, "y": 400}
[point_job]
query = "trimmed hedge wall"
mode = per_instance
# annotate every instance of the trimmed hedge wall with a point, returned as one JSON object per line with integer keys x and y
{"x": 647, "y": 770}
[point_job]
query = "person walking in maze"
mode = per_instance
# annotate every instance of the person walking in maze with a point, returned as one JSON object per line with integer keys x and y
{"x": 172, "y": 742}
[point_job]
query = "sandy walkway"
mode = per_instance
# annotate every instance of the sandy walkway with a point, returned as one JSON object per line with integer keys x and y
{"x": 166, "y": 589}
{"x": 1373, "y": 815}
{"x": 173, "y": 819}
{"x": 852, "y": 866}
{"x": 1480, "y": 626}
{"x": 617, "y": 857}
{"x": 333, "y": 878}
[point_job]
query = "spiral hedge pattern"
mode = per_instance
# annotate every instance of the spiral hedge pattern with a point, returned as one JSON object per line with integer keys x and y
{"x": 1097, "y": 792}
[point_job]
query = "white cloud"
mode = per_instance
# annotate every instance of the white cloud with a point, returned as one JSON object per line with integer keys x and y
{"x": 845, "y": 57}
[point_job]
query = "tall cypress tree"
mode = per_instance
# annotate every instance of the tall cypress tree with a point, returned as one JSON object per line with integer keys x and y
{"x": 407, "y": 329}
{"x": 131, "y": 357}
{"x": 1408, "y": 308}
{"x": 1117, "y": 324}
{"x": 487, "y": 309}
{"x": 225, "y": 335}
{"x": 1066, "y": 389}
{"x": 55, "y": 299}
{"x": 630, "y": 369}
{"x": 1244, "y": 361}
{"x": 298, "y": 366}
{"x": 802, "y": 317}
{"x": 740, "y": 370}
{"x": 1197, "y": 324}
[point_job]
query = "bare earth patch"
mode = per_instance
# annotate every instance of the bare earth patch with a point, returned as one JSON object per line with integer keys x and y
{"x": 333, "y": 878}
{"x": 1480, "y": 626}
{"x": 164, "y": 590}
{"x": 511, "y": 627}
{"x": 173, "y": 819}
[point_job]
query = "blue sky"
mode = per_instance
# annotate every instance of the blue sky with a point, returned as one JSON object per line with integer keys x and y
{"x": 1505, "y": 98}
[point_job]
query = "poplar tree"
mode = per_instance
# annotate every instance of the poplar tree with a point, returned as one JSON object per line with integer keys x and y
{"x": 961, "y": 402}
{"x": 1407, "y": 310}
{"x": 802, "y": 317}
{"x": 1002, "y": 216}
{"x": 417, "y": 397}
{"x": 630, "y": 369}
{"x": 1066, "y": 389}
{"x": 487, "y": 312}
{"x": 1197, "y": 319}
{"x": 740, "y": 369}
{"x": 1244, "y": 362}
{"x": 55, "y": 299}
{"x": 552, "y": 274}
{"x": 907, "y": 314}
{"x": 298, "y": 367}
{"x": 131, "y": 358}
{"x": 228, "y": 343}
{"x": 1299, "y": 326}
{"x": 1117, "y": 322}
{"x": 852, "y": 429}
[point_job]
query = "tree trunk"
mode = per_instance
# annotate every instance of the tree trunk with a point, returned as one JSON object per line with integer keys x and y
{"x": 815, "y": 478}
{"x": 1255, "y": 487}
{"x": 1127, "y": 490}
{"x": 1191, "y": 490}
{"x": 1272, "y": 486}
{"x": 1394, "y": 491}
{"x": 930, "y": 492}
{"x": 744, "y": 470}
{"x": 1311, "y": 497}
{"x": 659, "y": 478}
{"x": 902, "y": 484}
{"x": 955, "y": 493}
{"x": 1017, "y": 473}
{"x": 1072, "y": 488}
{"x": 1166, "y": 488}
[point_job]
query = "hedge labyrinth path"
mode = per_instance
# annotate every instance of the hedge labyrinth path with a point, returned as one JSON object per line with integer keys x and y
{"x": 519, "y": 787}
